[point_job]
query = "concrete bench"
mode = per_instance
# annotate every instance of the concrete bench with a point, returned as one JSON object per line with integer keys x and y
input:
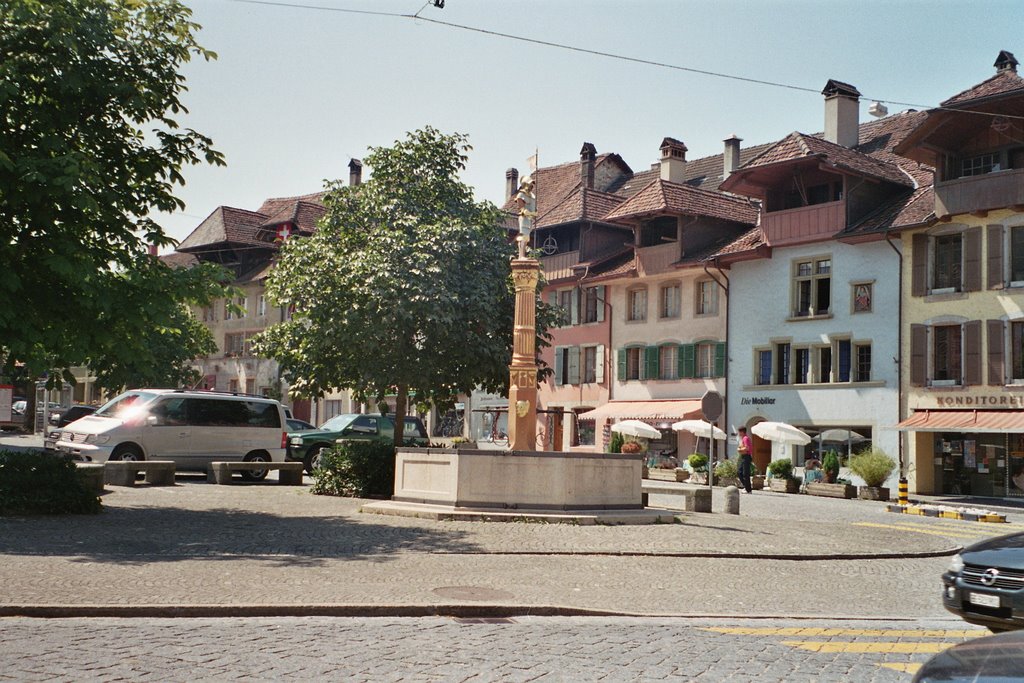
{"x": 92, "y": 475}
{"x": 289, "y": 473}
{"x": 124, "y": 472}
{"x": 693, "y": 498}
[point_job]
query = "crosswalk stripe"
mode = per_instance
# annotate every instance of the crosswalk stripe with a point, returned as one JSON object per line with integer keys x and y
{"x": 920, "y": 530}
{"x": 829, "y": 632}
{"x": 865, "y": 648}
{"x": 908, "y": 667}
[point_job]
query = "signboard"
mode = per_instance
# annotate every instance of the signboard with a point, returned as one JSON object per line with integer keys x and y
{"x": 711, "y": 405}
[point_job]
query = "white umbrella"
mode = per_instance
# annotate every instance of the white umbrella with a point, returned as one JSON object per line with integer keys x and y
{"x": 781, "y": 432}
{"x": 700, "y": 428}
{"x": 839, "y": 435}
{"x": 636, "y": 428}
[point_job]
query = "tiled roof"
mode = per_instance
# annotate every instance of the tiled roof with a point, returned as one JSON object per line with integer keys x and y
{"x": 619, "y": 263}
{"x": 597, "y": 205}
{"x": 176, "y": 259}
{"x": 662, "y": 196}
{"x": 912, "y": 208}
{"x": 799, "y": 146}
{"x": 748, "y": 241}
{"x": 303, "y": 214}
{"x": 1004, "y": 82}
{"x": 275, "y": 204}
{"x": 225, "y": 225}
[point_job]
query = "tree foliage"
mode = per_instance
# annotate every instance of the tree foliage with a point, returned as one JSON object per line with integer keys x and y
{"x": 405, "y": 286}
{"x": 89, "y": 151}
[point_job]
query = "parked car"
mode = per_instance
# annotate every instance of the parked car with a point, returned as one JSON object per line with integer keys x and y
{"x": 297, "y": 425}
{"x": 66, "y": 417}
{"x": 191, "y": 428}
{"x": 306, "y": 446}
{"x": 985, "y": 583}
{"x": 992, "y": 659}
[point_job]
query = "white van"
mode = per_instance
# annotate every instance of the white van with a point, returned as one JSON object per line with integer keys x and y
{"x": 192, "y": 428}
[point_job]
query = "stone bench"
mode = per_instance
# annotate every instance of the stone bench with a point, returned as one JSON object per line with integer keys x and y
{"x": 289, "y": 473}
{"x": 124, "y": 472}
{"x": 694, "y": 498}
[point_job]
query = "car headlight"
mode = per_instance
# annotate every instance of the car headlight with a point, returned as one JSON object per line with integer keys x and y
{"x": 97, "y": 438}
{"x": 956, "y": 565}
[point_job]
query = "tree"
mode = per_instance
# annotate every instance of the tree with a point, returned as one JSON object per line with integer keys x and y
{"x": 88, "y": 152}
{"x": 404, "y": 288}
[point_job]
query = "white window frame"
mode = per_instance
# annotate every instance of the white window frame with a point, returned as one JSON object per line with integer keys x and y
{"x": 261, "y": 306}
{"x": 706, "y": 307}
{"x": 638, "y": 353}
{"x": 636, "y": 305}
{"x": 668, "y": 361}
{"x": 812, "y": 278}
{"x": 670, "y": 308}
{"x": 704, "y": 359}
{"x": 598, "y": 374}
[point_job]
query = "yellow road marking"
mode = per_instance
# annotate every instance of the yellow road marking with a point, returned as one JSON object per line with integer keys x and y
{"x": 964, "y": 534}
{"x": 829, "y": 632}
{"x": 909, "y": 667}
{"x": 863, "y": 648}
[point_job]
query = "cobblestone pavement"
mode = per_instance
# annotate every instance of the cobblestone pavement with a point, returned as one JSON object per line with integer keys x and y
{"x": 443, "y": 649}
{"x": 280, "y": 550}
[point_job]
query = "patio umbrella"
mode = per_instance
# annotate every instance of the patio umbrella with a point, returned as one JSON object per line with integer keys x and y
{"x": 781, "y": 433}
{"x": 700, "y": 428}
{"x": 636, "y": 428}
{"x": 839, "y": 435}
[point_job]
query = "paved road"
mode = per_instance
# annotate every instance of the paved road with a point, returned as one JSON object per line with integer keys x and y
{"x": 577, "y": 649}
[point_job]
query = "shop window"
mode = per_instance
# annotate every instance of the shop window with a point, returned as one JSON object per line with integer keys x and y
{"x": 585, "y": 429}
{"x": 812, "y": 287}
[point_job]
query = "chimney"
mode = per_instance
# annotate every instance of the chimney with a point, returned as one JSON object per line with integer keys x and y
{"x": 673, "y": 160}
{"x": 151, "y": 248}
{"x": 355, "y": 172}
{"x": 511, "y": 183}
{"x": 1006, "y": 62}
{"x": 587, "y": 156}
{"x": 731, "y": 157}
{"x": 842, "y": 102}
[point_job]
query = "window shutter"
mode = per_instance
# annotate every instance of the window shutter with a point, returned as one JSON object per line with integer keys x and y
{"x": 995, "y": 261}
{"x": 574, "y": 365}
{"x": 720, "y": 359}
{"x": 553, "y": 297}
{"x": 558, "y": 364}
{"x": 972, "y": 352}
{"x": 972, "y": 260}
{"x": 687, "y": 360}
{"x": 650, "y": 363}
{"x": 600, "y": 303}
{"x": 599, "y": 365}
{"x": 996, "y": 364}
{"x": 622, "y": 365}
{"x": 919, "y": 265}
{"x": 574, "y": 314}
{"x": 918, "y": 355}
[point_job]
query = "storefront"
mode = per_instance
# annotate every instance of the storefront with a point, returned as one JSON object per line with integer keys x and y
{"x": 967, "y": 452}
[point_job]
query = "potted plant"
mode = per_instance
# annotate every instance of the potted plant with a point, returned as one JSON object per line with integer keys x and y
{"x": 874, "y": 466}
{"x": 756, "y": 478}
{"x": 830, "y": 466}
{"x": 727, "y": 474}
{"x": 781, "y": 477}
{"x": 699, "y": 466}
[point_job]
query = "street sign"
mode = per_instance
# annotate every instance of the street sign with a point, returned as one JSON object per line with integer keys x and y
{"x": 711, "y": 405}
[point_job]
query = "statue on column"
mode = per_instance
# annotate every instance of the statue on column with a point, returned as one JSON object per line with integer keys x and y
{"x": 526, "y": 199}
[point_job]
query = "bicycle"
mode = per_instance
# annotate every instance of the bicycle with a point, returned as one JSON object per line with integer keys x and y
{"x": 452, "y": 426}
{"x": 497, "y": 436}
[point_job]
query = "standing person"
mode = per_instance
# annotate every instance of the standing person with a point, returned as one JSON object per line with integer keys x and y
{"x": 743, "y": 450}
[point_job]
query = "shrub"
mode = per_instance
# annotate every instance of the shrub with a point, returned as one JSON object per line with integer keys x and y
{"x": 698, "y": 462}
{"x": 726, "y": 469}
{"x": 356, "y": 468}
{"x": 37, "y": 483}
{"x": 830, "y": 464}
{"x": 872, "y": 465}
{"x": 615, "y": 445}
{"x": 781, "y": 469}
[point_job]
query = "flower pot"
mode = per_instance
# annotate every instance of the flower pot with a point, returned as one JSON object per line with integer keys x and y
{"x": 784, "y": 485}
{"x": 819, "y": 488}
{"x": 681, "y": 474}
{"x": 873, "y": 493}
{"x": 757, "y": 482}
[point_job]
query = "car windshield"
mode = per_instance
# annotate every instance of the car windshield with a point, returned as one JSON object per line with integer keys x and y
{"x": 338, "y": 423}
{"x": 121, "y": 406}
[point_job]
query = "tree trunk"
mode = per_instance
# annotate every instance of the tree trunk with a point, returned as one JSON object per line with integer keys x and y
{"x": 401, "y": 408}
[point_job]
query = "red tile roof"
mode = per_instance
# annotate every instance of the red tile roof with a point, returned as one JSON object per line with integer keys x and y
{"x": 747, "y": 242}
{"x": 662, "y": 196}
{"x": 1003, "y": 83}
{"x": 177, "y": 259}
{"x": 226, "y": 225}
{"x": 275, "y": 204}
{"x": 302, "y": 214}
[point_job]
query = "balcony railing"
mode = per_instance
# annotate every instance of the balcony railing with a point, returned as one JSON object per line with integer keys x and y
{"x": 806, "y": 224}
{"x": 657, "y": 259}
{"x": 996, "y": 190}
{"x": 559, "y": 266}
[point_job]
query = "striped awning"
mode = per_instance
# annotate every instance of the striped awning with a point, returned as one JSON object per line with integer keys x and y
{"x": 674, "y": 409}
{"x": 981, "y": 421}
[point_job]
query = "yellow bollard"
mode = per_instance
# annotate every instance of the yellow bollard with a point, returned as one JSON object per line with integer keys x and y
{"x": 904, "y": 498}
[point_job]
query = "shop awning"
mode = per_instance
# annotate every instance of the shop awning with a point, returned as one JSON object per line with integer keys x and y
{"x": 981, "y": 421}
{"x": 679, "y": 409}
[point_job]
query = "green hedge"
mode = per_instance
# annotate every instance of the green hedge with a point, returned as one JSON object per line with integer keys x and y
{"x": 39, "y": 483}
{"x": 356, "y": 468}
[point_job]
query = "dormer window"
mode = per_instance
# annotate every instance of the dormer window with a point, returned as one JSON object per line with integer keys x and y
{"x": 979, "y": 165}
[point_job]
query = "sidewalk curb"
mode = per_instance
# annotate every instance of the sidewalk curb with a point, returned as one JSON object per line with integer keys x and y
{"x": 787, "y": 557}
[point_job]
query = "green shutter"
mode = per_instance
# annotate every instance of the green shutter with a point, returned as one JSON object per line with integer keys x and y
{"x": 622, "y": 365}
{"x": 650, "y": 363}
{"x": 720, "y": 359}
{"x": 687, "y": 360}
{"x": 559, "y": 360}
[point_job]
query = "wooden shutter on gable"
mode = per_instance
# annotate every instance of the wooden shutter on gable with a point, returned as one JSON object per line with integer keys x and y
{"x": 972, "y": 353}
{"x": 720, "y": 359}
{"x": 972, "y": 260}
{"x": 574, "y": 365}
{"x": 600, "y": 303}
{"x": 621, "y": 363}
{"x": 687, "y": 360}
{"x": 574, "y": 314}
{"x": 918, "y": 355}
{"x": 996, "y": 362}
{"x": 919, "y": 265}
{"x": 599, "y": 365}
{"x": 995, "y": 258}
{"x": 650, "y": 363}
{"x": 558, "y": 364}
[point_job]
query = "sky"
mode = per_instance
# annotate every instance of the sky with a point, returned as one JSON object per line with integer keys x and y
{"x": 298, "y": 90}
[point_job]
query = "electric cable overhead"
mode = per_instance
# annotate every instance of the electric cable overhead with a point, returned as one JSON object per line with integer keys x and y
{"x": 600, "y": 53}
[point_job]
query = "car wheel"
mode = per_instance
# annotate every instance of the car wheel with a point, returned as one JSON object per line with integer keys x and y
{"x": 313, "y": 456}
{"x": 255, "y": 474}
{"x": 128, "y": 453}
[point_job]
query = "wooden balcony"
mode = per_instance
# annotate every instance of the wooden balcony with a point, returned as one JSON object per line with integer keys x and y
{"x": 657, "y": 259}
{"x": 981, "y": 193}
{"x": 806, "y": 224}
{"x": 559, "y": 266}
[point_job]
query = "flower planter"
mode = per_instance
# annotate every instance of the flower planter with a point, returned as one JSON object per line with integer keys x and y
{"x": 819, "y": 488}
{"x": 784, "y": 485}
{"x": 873, "y": 493}
{"x": 681, "y": 474}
